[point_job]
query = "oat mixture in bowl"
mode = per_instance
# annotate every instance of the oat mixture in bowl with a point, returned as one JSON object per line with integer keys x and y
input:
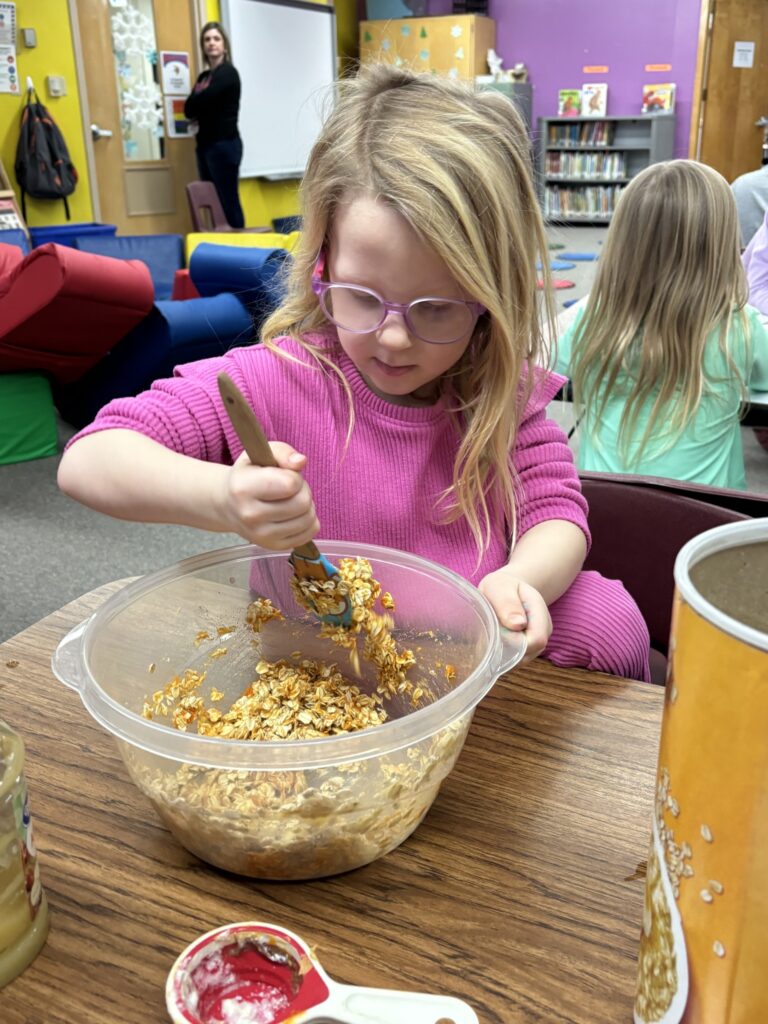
{"x": 298, "y": 806}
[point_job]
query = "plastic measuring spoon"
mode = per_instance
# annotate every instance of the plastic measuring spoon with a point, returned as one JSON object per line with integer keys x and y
{"x": 259, "y": 973}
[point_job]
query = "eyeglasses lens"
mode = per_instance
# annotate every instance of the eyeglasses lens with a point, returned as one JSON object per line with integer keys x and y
{"x": 441, "y": 320}
{"x": 355, "y": 309}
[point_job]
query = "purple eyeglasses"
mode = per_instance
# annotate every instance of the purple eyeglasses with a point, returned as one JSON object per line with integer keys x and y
{"x": 361, "y": 310}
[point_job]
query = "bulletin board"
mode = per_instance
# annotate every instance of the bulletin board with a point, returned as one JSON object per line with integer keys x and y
{"x": 285, "y": 54}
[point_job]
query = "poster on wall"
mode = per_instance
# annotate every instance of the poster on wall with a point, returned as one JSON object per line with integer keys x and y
{"x": 9, "y": 69}
{"x": 175, "y": 73}
{"x": 7, "y": 24}
{"x": 177, "y": 126}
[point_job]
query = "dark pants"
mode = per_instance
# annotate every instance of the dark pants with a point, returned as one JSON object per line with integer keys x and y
{"x": 219, "y": 162}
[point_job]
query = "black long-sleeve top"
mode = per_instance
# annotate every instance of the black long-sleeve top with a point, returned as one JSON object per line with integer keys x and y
{"x": 214, "y": 103}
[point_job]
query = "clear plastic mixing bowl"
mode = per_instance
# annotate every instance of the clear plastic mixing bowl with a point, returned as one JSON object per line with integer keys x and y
{"x": 285, "y": 809}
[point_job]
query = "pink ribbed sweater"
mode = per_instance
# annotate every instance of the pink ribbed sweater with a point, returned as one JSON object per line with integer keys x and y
{"x": 384, "y": 488}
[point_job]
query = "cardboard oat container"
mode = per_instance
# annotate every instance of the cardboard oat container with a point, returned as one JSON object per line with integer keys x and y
{"x": 704, "y": 942}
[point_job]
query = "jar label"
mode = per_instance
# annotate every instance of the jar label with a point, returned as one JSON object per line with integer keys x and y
{"x": 28, "y": 852}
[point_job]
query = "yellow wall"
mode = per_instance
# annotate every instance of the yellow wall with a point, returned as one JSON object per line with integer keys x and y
{"x": 262, "y": 200}
{"x": 53, "y": 55}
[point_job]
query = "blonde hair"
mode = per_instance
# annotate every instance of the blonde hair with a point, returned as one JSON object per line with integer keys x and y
{"x": 669, "y": 275}
{"x": 455, "y": 163}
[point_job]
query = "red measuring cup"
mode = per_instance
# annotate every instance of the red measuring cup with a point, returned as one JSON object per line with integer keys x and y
{"x": 259, "y": 973}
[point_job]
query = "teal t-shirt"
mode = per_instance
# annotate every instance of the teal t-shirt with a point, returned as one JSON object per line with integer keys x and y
{"x": 709, "y": 450}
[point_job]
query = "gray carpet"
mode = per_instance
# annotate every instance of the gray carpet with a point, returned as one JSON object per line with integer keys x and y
{"x": 52, "y": 550}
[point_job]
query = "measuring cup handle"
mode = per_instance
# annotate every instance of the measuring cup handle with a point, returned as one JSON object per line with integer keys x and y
{"x": 351, "y": 1005}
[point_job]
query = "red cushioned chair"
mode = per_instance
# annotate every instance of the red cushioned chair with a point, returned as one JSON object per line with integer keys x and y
{"x": 62, "y": 310}
{"x": 638, "y": 526}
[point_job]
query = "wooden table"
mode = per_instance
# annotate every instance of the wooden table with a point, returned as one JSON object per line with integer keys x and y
{"x": 521, "y": 892}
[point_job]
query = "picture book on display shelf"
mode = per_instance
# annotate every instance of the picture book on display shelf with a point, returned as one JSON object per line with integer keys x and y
{"x": 658, "y": 98}
{"x": 569, "y": 103}
{"x": 594, "y": 99}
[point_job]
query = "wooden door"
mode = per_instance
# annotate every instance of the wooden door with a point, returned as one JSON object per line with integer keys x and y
{"x": 140, "y": 173}
{"x": 734, "y": 98}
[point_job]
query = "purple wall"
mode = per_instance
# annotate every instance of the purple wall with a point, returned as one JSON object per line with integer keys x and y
{"x": 556, "y": 38}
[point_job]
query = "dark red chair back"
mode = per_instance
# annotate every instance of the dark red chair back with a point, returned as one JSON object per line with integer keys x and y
{"x": 638, "y": 526}
{"x": 205, "y": 207}
{"x": 207, "y": 213}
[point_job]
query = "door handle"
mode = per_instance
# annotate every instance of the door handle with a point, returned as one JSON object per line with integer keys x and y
{"x": 100, "y": 133}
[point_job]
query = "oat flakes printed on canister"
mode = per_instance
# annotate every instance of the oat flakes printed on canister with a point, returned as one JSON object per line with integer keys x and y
{"x": 703, "y": 952}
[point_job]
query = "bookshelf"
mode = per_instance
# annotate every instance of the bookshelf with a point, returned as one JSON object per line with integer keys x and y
{"x": 584, "y": 162}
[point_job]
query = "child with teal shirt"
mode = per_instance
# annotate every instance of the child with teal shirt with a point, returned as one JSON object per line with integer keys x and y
{"x": 664, "y": 349}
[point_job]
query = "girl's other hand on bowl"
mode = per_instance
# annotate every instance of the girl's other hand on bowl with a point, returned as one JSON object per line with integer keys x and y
{"x": 519, "y": 607}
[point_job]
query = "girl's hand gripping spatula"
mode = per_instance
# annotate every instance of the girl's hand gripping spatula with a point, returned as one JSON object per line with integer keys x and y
{"x": 306, "y": 560}
{"x": 255, "y": 973}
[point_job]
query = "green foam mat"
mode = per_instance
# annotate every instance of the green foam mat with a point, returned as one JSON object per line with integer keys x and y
{"x": 27, "y": 418}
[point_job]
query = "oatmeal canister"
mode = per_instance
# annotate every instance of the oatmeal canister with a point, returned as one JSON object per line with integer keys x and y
{"x": 704, "y": 942}
{"x": 23, "y": 908}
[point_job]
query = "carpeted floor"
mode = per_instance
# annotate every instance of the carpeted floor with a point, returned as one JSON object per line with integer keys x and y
{"x": 52, "y": 550}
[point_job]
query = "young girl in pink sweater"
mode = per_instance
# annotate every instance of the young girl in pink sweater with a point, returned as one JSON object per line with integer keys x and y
{"x": 398, "y": 380}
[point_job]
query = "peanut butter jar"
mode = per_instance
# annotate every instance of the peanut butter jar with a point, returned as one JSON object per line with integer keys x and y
{"x": 704, "y": 942}
{"x": 23, "y": 907}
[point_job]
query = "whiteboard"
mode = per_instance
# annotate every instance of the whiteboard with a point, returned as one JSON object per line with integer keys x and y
{"x": 285, "y": 54}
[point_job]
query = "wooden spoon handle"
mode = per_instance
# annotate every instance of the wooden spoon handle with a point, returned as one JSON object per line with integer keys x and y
{"x": 243, "y": 419}
{"x": 248, "y": 429}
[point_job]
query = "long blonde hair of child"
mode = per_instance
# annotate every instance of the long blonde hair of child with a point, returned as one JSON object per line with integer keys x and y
{"x": 455, "y": 163}
{"x": 669, "y": 275}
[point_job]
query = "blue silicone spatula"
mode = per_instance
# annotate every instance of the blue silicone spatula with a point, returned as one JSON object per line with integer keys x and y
{"x": 306, "y": 560}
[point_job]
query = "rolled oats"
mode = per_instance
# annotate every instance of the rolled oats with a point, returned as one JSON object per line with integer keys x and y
{"x": 301, "y": 823}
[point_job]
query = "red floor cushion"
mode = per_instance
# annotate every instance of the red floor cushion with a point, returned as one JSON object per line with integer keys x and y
{"x": 183, "y": 288}
{"x": 62, "y": 310}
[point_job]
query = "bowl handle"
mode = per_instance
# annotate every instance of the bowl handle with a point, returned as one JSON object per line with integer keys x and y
{"x": 513, "y": 648}
{"x": 67, "y": 660}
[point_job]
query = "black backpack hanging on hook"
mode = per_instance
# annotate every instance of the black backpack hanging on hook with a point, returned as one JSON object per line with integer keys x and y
{"x": 43, "y": 167}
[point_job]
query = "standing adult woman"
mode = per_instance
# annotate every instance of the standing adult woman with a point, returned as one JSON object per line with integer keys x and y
{"x": 214, "y": 104}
